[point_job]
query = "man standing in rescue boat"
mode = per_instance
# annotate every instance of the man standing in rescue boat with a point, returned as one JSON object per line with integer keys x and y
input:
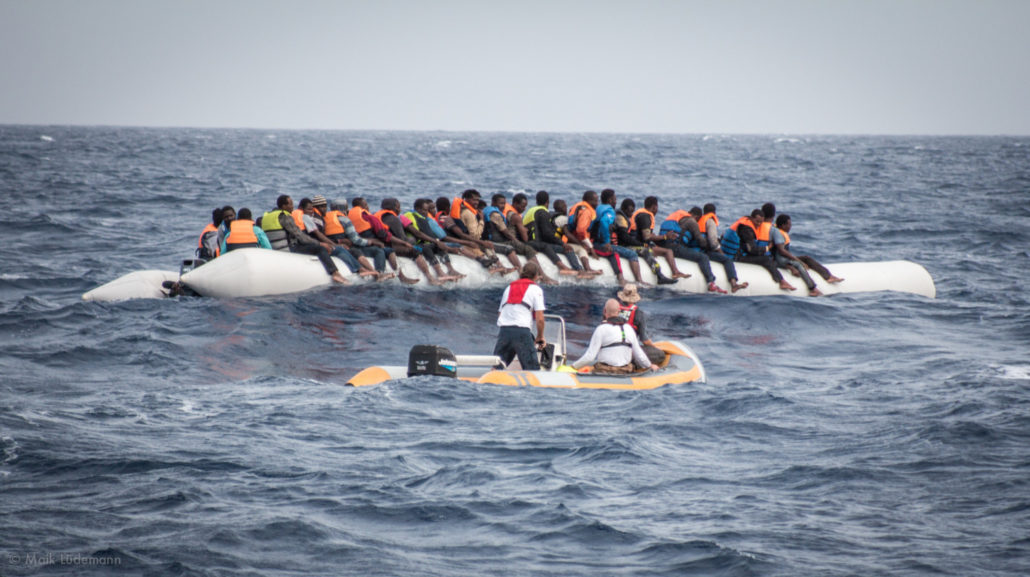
{"x": 522, "y": 306}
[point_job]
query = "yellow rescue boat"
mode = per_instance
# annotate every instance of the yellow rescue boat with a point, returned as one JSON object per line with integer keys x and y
{"x": 681, "y": 365}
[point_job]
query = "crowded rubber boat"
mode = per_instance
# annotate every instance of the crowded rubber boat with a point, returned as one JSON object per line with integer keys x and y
{"x": 466, "y": 243}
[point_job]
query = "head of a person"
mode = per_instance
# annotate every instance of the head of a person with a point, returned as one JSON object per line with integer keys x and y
{"x": 611, "y": 308}
{"x": 629, "y": 294}
{"x": 284, "y": 202}
{"x": 783, "y": 222}
{"x": 695, "y": 211}
{"x": 590, "y": 197}
{"x": 628, "y": 206}
{"x": 519, "y": 202}
{"x": 769, "y": 211}
{"x": 542, "y": 198}
{"x": 498, "y": 200}
{"x": 422, "y": 206}
{"x": 244, "y": 214}
{"x": 339, "y": 204}
{"x": 471, "y": 196}
{"x": 530, "y": 270}
{"x": 306, "y": 205}
{"x": 709, "y": 208}
{"x": 608, "y": 197}
{"x": 320, "y": 203}
{"x": 560, "y": 207}
{"x": 651, "y": 204}
{"x": 391, "y": 204}
{"x": 359, "y": 202}
{"x": 228, "y": 213}
{"x": 757, "y": 217}
{"x": 443, "y": 204}
{"x": 216, "y": 216}
{"x": 430, "y": 206}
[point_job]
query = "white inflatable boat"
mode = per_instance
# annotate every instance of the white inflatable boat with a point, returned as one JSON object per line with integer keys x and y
{"x": 254, "y": 272}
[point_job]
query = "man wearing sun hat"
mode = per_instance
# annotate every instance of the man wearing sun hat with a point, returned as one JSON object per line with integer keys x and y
{"x": 632, "y": 315}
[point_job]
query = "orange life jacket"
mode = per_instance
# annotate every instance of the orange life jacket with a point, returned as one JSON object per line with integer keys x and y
{"x": 703, "y": 222}
{"x": 207, "y": 229}
{"x": 355, "y": 216}
{"x": 298, "y": 217}
{"x": 678, "y": 216}
{"x": 746, "y": 222}
{"x": 583, "y": 221}
{"x": 764, "y": 232}
{"x": 332, "y": 223}
{"x": 456, "y": 205}
{"x": 380, "y": 214}
{"x": 633, "y": 219}
{"x": 241, "y": 232}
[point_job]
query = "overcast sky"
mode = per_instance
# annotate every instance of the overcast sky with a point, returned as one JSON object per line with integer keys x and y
{"x": 726, "y": 66}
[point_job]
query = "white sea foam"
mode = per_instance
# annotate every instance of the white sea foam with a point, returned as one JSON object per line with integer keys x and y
{"x": 1015, "y": 372}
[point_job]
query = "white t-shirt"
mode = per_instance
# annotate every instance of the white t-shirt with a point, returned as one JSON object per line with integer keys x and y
{"x": 518, "y": 315}
{"x": 616, "y": 356}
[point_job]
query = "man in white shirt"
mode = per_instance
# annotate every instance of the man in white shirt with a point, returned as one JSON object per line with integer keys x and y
{"x": 614, "y": 345}
{"x": 522, "y": 305}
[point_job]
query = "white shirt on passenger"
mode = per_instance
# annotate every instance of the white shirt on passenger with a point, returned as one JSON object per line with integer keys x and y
{"x": 616, "y": 356}
{"x": 518, "y": 315}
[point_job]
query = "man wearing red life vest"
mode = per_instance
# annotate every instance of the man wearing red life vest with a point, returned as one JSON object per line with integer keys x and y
{"x": 522, "y": 306}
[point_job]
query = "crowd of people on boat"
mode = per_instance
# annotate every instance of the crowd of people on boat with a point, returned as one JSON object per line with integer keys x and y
{"x": 597, "y": 226}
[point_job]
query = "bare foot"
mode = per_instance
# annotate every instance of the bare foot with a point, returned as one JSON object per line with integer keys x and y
{"x": 385, "y": 276}
{"x": 815, "y": 293}
{"x": 567, "y": 272}
{"x": 338, "y": 278}
{"x": 449, "y": 278}
{"x": 366, "y": 272}
{"x": 585, "y": 274}
{"x": 681, "y": 275}
{"x": 834, "y": 279}
{"x": 736, "y": 286}
{"x": 407, "y": 279}
{"x": 457, "y": 274}
{"x": 787, "y": 286}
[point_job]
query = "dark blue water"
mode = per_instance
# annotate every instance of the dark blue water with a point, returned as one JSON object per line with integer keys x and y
{"x": 870, "y": 434}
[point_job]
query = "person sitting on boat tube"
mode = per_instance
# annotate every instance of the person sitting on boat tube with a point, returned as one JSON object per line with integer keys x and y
{"x": 522, "y": 306}
{"x": 244, "y": 233}
{"x": 799, "y": 265}
{"x": 300, "y": 242}
{"x": 614, "y": 346}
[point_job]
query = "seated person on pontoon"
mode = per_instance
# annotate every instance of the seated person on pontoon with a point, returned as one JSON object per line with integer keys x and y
{"x": 614, "y": 347}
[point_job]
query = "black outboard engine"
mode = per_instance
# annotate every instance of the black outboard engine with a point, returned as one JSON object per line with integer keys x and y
{"x": 431, "y": 360}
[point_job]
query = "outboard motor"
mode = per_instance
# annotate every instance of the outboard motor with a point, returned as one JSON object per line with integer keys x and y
{"x": 431, "y": 360}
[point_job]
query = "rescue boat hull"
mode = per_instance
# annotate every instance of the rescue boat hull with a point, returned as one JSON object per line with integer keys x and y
{"x": 683, "y": 366}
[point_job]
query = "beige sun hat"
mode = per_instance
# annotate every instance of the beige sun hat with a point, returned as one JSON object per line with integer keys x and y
{"x": 629, "y": 293}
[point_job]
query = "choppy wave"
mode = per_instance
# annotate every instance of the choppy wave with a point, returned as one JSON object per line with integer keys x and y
{"x": 859, "y": 434}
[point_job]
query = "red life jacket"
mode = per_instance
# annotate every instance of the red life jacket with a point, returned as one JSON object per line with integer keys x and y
{"x": 517, "y": 292}
{"x": 628, "y": 313}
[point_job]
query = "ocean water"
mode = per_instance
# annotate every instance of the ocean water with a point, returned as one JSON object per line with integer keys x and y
{"x": 868, "y": 434}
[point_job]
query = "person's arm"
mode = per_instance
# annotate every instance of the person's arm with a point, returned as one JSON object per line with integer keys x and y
{"x": 222, "y": 245}
{"x": 352, "y": 233}
{"x": 641, "y": 328}
{"x": 781, "y": 246}
{"x": 712, "y": 235}
{"x": 498, "y": 221}
{"x": 538, "y": 316}
{"x": 290, "y": 226}
{"x": 262, "y": 238}
{"x": 592, "y": 350}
